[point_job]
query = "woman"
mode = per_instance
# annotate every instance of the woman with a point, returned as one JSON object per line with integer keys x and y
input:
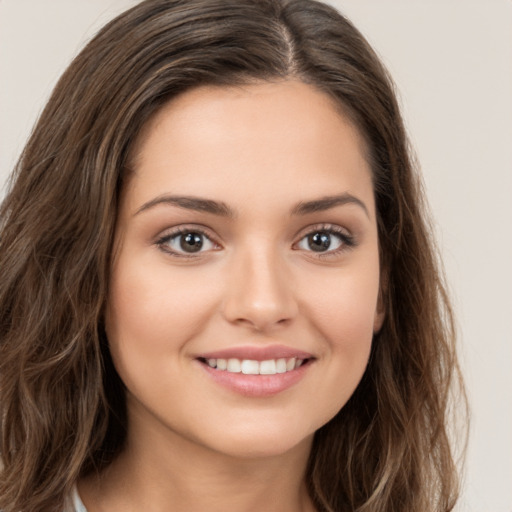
{"x": 219, "y": 290}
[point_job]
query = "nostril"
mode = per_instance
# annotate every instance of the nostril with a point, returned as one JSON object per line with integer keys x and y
{"x": 260, "y": 304}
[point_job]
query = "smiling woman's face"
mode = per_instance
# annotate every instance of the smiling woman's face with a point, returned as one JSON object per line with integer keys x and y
{"x": 244, "y": 292}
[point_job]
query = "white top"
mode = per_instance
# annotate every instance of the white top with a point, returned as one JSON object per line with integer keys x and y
{"x": 76, "y": 502}
{"x": 78, "y": 506}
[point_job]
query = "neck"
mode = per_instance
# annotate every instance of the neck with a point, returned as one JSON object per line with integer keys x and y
{"x": 163, "y": 468}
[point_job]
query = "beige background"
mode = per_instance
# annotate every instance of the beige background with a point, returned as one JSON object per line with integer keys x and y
{"x": 452, "y": 61}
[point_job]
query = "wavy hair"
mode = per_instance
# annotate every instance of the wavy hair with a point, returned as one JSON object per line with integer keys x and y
{"x": 62, "y": 407}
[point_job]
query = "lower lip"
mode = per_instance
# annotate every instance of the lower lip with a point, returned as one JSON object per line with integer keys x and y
{"x": 257, "y": 386}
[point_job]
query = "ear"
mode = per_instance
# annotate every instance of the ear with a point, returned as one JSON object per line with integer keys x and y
{"x": 380, "y": 310}
{"x": 380, "y": 315}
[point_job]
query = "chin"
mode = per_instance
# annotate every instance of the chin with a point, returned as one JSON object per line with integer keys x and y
{"x": 261, "y": 445}
{"x": 258, "y": 439}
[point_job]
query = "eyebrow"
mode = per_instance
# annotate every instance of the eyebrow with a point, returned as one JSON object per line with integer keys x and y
{"x": 190, "y": 203}
{"x": 328, "y": 202}
{"x": 222, "y": 209}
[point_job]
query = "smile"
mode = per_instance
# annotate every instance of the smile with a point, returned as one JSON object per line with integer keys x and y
{"x": 253, "y": 367}
{"x": 257, "y": 378}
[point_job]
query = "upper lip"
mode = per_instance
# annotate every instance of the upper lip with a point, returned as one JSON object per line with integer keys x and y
{"x": 256, "y": 353}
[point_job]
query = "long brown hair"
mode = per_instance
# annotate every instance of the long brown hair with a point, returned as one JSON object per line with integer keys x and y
{"x": 62, "y": 406}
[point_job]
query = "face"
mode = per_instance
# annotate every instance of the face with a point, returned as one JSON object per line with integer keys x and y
{"x": 244, "y": 292}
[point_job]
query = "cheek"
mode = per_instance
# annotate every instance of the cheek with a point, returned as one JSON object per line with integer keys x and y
{"x": 347, "y": 328}
{"x": 151, "y": 308}
{"x": 344, "y": 308}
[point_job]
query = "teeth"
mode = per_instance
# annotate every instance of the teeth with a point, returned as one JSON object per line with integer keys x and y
{"x": 252, "y": 367}
{"x": 268, "y": 367}
{"x": 234, "y": 366}
{"x": 281, "y": 366}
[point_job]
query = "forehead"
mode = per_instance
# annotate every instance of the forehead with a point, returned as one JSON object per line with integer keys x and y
{"x": 264, "y": 137}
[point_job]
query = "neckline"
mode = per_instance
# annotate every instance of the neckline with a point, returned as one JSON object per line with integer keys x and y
{"x": 78, "y": 505}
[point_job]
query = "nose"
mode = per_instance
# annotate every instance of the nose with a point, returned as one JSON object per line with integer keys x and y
{"x": 260, "y": 292}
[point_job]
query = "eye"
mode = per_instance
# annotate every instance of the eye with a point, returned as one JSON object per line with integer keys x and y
{"x": 186, "y": 242}
{"x": 325, "y": 241}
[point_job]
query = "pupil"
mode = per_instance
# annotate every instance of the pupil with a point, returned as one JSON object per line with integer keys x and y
{"x": 319, "y": 241}
{"x": 191, "y": 242}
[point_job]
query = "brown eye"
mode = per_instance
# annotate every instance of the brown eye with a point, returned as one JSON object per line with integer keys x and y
{"x": 319, "y": 242}
{"x": 326, "y": 241}
{"x": 186, "y": 242}
{"x": 191, "y": 242}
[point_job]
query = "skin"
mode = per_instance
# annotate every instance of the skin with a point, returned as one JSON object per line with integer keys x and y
{"x": 260, "y": 150}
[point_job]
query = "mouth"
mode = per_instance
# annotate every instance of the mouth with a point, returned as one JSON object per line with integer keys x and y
{"x": 255, "y": 367}
{"x": 256, "y": 374}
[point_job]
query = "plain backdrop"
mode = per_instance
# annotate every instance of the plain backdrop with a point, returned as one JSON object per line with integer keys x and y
{"x": 452, "y": 62}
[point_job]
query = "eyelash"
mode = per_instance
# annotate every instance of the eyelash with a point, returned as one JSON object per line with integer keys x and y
{"x": 347, "y": 241}
{"x": 163, "y": 242}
